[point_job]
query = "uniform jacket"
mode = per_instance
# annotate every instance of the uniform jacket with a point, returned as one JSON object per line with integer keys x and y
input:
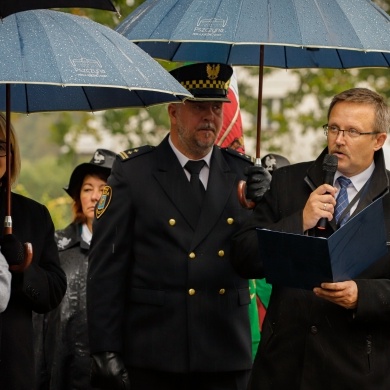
{"x": 39, "y": 288}
{"x": 307, "y": 342}
{"x": 63, "y": 353}
{"x": 161, "y": 289}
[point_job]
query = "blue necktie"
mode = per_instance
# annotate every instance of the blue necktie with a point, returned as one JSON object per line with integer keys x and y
{"x": 342, "y": 200}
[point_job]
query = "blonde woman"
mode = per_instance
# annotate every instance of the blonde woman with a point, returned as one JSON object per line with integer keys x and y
{"x": 39, "y": 288}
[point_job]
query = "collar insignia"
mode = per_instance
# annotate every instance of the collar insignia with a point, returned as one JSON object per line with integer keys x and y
{"x": 61, "y": 244}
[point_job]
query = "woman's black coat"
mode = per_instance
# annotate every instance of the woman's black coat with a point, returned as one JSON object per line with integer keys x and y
{"x": 39, "y": 288}
{"x": 62, "y": 344}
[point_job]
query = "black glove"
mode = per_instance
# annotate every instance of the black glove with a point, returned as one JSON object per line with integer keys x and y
{"x": 257, "y": 183}
{"x": 12, "y": 249}
{"x": 109, "y": 372}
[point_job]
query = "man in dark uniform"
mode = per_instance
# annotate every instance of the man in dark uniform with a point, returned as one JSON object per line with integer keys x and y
{"x": 165, "y": 308}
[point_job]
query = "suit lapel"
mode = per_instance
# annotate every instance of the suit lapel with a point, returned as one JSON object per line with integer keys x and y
{"x": 378, "y": 185}
{"x": 171, "y": 177}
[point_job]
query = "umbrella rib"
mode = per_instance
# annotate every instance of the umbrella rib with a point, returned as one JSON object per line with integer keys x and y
{"x": 269, "y": 22}
{"x": 87, "y": 99}
{"x": 322, "y": 17}
{"x": 119, "y": 49}
{"x": 44, "y": 21}
{"x": 388, "y": 64}
{"x": 176, "y": 50}
{"x": 23, "y": 66}
{"x": 235, "y": 31}
{"x": 340, "y": 59}
{"x": 142, "y": 100}
{"x": 173, "y": 6}
{"x": 326, "y": 24}
{"x": 285, "y": 57}
{"x": 296, "y": 16}
{"x": 228, "y": 54}
{"x": 26, "y": 97}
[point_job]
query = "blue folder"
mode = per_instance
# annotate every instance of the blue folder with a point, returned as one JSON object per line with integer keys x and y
{"x": 300, "y": 261}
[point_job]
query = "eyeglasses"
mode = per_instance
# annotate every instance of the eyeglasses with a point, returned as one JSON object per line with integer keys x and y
{"x": 352, "y": 133}
{"x": 3, "y": 149}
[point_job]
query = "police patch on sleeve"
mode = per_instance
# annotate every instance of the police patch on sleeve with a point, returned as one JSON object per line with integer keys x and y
{"x": 104, "y": 201}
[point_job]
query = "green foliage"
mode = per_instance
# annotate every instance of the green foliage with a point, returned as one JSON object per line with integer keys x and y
{"x": 46, "y": 170}
{"x": 321, "y": 85}
{"x": 43, "y": 180}
{"x": 60, "y": 210}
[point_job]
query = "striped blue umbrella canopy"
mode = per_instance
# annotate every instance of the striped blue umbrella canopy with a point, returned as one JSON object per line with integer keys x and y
{"x": 55, "y": 61}
{"x": 296, "y": 33}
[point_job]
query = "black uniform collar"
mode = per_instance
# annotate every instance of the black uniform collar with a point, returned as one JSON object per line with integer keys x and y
{"x": 70, "y": 237}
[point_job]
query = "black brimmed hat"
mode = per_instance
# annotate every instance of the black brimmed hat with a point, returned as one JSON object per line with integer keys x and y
{"x": 206, "y": 81}
{"x": 101, "y": 162}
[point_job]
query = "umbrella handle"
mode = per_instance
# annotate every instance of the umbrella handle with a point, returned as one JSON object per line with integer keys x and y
{"x": 28, "y": 250}
{"x": 28, "y": 255}
{"x": 241, "y": 192}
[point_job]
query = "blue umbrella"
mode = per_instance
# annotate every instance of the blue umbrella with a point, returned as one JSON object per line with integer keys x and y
{"x": 54, "y": 61}
{"x": 337, "y": 34}
{"x": 296, "y": 33}
{"x": 58, "y": 61}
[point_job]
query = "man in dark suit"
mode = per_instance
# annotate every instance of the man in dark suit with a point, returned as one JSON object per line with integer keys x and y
{"x": 338, "y": 335}
{"x": 165, "y": 308}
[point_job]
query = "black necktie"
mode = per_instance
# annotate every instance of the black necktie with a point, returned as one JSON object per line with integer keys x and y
{"x": 194, "y": 167}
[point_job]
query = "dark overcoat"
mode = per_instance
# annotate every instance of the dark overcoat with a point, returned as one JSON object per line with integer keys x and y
{"x": 307, "y": 342}
{"x": 62, "y": 345}
{"x": 161, "y": 290}
{"x": 39, "y": 288}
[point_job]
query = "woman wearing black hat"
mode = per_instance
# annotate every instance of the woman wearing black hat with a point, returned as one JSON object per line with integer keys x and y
{"x": 64, "y": 362}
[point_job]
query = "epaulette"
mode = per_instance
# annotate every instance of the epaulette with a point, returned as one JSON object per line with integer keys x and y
{"x": 239, "y": 154}
{"x": 135, "y": 152}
